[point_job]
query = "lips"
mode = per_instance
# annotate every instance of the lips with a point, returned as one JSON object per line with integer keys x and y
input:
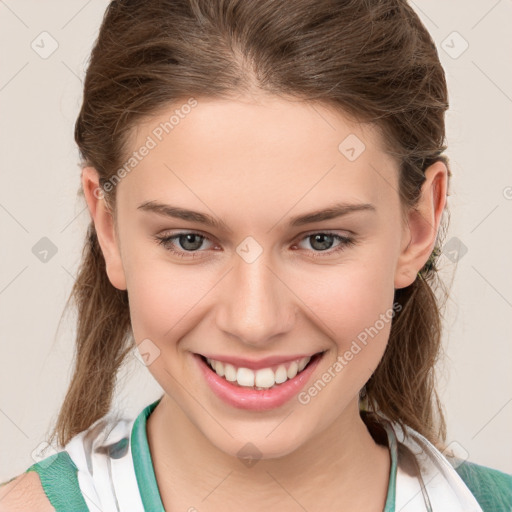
{"x": 267, "y": 362}
{"x": 255, "y": 399}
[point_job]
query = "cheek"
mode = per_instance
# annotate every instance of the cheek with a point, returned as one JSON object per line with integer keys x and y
{"x": 161, "y": 296}
{"x": 353, "y": 306}
{"x": 344, "y": 300}
{"x": 355, "y": 311}
{"x": 348, "y": 298}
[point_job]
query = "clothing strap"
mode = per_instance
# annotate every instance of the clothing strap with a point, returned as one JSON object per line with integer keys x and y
{"x": 425, "y": 480}
{"x": 109, "y": 468}
{"x": 99, "y": 471}
{"x": 58, "y": 475}
{"x": 106, "y": 475}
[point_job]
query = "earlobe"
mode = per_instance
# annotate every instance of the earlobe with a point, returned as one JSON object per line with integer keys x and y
{"x": 422, "y": 225}
{"x": 104, "y": 225}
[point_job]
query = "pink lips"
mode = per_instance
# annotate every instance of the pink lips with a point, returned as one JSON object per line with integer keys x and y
{"x": 254, "y": 399}
{"x": 267, "y": 362}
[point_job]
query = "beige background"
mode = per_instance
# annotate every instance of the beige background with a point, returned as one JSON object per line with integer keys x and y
{"x": 39, "y": 101}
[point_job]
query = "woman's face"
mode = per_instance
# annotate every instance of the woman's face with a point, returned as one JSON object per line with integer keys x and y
{"x": 256, "y": 282}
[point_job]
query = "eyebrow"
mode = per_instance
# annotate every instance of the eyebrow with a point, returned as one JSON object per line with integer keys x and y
{"x": 332, "y": 212}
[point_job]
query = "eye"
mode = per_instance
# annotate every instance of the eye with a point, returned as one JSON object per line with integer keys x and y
{"x": 191, "y": 241}
{"x": 321, "y": 242}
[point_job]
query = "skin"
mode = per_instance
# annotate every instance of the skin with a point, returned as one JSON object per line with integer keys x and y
{"x": 254, "y": 163}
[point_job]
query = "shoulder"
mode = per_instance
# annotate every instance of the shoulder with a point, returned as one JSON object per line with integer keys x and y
{"x": 492, "y": 488}
{"x": 48, "y": 485}
{"x": 24, "y": 492}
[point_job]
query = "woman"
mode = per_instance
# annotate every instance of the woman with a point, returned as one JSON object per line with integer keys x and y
{"x": 266, "y": 183}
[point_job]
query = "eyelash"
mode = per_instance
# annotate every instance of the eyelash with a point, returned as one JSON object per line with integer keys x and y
{"x": 344, "y": 243}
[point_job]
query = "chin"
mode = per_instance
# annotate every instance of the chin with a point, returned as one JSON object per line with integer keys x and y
{"x": 252, "y": 448}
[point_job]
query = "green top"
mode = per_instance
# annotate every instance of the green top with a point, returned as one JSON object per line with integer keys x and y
{"x": 491, "y": 488}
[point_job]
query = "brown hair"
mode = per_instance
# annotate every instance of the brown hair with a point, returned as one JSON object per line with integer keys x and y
{"x": 372, "y": 60}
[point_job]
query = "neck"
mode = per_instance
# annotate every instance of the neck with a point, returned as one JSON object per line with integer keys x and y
{"x": 337, "y": 466}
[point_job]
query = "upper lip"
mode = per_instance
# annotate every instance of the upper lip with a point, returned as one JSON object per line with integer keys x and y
{"x": 242, "y": 362}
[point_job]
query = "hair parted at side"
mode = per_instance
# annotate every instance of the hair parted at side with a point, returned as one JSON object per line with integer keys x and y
{"x": 372, "y": 60}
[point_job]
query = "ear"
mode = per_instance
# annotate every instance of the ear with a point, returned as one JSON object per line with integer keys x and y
{"x": 105, "y": 227}
{"x": 420, "y": 232}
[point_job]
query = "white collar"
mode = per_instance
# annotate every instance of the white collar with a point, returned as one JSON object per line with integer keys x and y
{"x": 421, "y": 478}
{"x": 425, "y": 479}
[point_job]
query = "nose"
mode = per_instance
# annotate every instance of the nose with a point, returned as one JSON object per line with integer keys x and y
{"x": 255, "y": 304}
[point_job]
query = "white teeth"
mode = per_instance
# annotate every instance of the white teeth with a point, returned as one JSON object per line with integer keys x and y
{"x": 292, "y": 370}
{"x": 219, "y": 368}
{"x": 281, "y": 375}
{"x": 302, "y": 363}
{"x": 230, "y": 372}
{"x": 264, "y": 378}
{"x": 245, "y": 377}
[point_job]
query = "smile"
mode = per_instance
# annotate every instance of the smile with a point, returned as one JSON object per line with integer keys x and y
{"x": 262, "y": 389}
{"x": 263, "y": 378}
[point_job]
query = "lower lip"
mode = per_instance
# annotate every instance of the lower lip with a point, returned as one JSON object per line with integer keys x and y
{"x": 254, "y": 399}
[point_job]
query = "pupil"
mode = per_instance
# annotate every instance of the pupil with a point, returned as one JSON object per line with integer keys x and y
{"x": 185, "y": 239}
{"x": 323, "y": 245}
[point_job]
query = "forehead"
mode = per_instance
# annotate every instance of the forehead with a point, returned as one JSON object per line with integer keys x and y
{"x": 243, "y": 151}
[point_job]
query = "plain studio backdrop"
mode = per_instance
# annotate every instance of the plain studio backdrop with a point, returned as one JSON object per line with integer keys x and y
{"x": 45, "y": 46}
